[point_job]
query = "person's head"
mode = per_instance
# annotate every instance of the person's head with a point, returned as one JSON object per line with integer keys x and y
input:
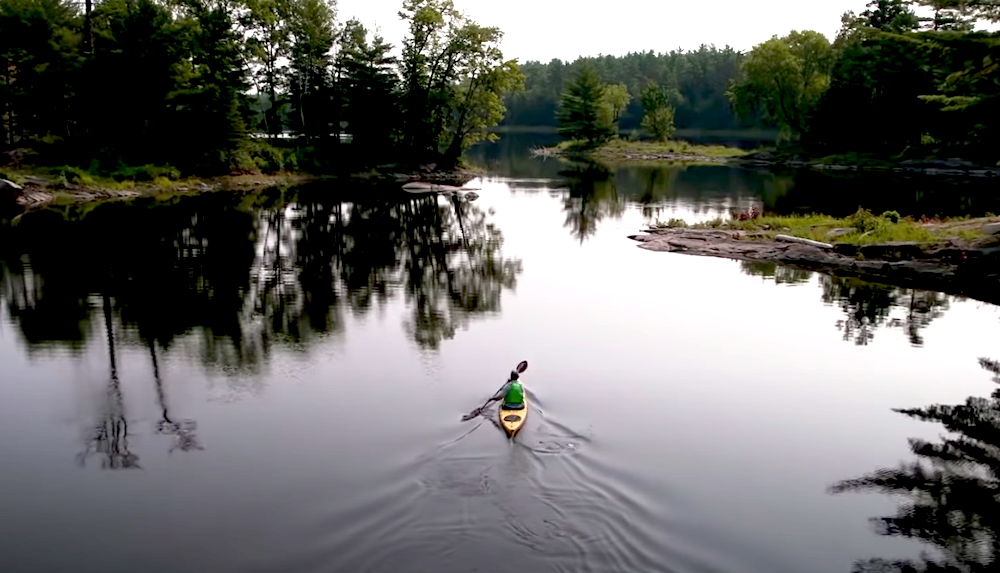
{"x": 513, "y": 375}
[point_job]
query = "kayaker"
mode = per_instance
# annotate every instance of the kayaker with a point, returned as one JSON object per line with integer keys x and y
{"x": 512, "y": 393}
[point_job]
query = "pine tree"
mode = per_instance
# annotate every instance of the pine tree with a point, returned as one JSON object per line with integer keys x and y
{"x": 581, "y": 114}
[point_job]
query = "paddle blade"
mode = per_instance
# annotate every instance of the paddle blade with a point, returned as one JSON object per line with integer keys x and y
{"x": 472, "y": 414}
{"x": 522, "y": 366}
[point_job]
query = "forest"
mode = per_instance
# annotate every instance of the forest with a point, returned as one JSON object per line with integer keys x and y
{"x": 222, "y": 86}
{"x": 902, "y": 79}
{"x": 191, "y": 82}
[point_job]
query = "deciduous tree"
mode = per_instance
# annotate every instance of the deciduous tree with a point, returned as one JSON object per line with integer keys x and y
{"x": 784, "y": 79}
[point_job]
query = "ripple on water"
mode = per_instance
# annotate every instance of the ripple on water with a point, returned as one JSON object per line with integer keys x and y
{"x": 479, "y": 502}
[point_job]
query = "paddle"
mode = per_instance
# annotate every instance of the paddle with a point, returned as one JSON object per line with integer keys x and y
{"x": 513, "y": 376}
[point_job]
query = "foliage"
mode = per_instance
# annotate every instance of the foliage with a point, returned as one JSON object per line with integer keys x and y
{"x": 223, "y": 69}
{"x": 615, "y": 100}
{"x": 891, "y": 216}
{"x": 627, "y": 150}
{"x": 268, "y": 46}
{"x": 890, "y": 16}
{"x": 583, "y": 111}
{"x": 364, "y": 70}
{"x": 784, "y": 78}
{"x": 658, "y": 113}
{"x": 313, "y": 29}
{"x": 883, "y": 81}
{"x": 454, "y": 80}
{"x": 699, "y": 77}
{"x": 865, "y": 221}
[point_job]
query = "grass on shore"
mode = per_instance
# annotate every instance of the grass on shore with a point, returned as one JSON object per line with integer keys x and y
{"x": 122, "y": 179}
{"x": 617, "y": 149}
{"x": 861, "y": 228}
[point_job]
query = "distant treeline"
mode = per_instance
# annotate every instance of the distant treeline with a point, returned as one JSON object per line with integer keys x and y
{"x": 701, "y": 77}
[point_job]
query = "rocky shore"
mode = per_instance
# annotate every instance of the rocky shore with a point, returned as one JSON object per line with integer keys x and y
{"x": 935, "y": 167}
{"x": 956, "y": 267}
{"x": 36, "y": 191}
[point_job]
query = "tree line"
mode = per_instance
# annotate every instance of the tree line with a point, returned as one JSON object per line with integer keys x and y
{"x": 696, "y": 83}
{"x": 191, "y": 81}
{"x": 891, "y": 83}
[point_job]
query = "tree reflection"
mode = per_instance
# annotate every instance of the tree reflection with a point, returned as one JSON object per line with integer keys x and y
{"x": 780, "y": 274}
{"x": 109, "y": 438}
{"x": 866, "y": 306}
{"x": 950, "y": 493}
{"x": 592, "y": 196}
{"x": 182, "y": 431}
{"x": 230, "y": 277}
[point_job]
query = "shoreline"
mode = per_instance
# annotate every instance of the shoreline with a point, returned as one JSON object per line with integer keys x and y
{"x": 39, "y": 191}
{"x": 625, "y": 153}
{"x": 955, "y": 267}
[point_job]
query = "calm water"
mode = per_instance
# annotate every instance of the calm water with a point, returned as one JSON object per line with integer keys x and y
{"x": 272, "y": 382}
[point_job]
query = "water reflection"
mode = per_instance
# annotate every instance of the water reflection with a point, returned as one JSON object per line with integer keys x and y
{"x": 182, "y": 431}
{"x": 867, "y": 306}
{"x": 949, "y": 494}
{"x": 232, "y": 276}
{"x": 715, "y": 190}
{"x": 109, "y": 437}
{"x": 779, "y": 274}
{"x": 592, "y": 196}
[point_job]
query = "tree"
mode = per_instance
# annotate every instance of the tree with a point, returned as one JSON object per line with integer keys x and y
{"x": 427, "y": 69}
{"x": 210, "y": 97}
{"x": 268, "y": 49}
{"x": 615, "y": 100}
{"x": 144, "y": 38}
{"x": 947, "y": 15}
{"x": 784, "y": 79}
{"x": 368, "y": 85}
{"x": 313, "y": 29}
{"x": 454, "y": 80}
{"x": 658, "y": 116}
{"x": 38, "y": 60}
{"x": 582, "y": 114}
{"x": 890, "y": 16}
{"x": 482, "y": 79}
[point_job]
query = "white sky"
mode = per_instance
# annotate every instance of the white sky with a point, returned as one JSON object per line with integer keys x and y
{"x": 565, "y": 29}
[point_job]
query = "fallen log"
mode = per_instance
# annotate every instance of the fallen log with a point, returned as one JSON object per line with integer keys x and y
{"x": 810, "y": 242}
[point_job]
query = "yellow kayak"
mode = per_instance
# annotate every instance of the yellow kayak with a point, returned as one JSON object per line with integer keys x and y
{"x": 512, "y": 420}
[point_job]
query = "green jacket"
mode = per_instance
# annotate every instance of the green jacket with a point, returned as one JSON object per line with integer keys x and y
{"x": 512, "y": 392}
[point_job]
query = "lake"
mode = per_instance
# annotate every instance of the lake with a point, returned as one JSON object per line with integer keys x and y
{"x": 273, "y": 382}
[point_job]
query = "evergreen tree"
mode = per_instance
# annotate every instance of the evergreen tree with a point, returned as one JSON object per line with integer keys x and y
{"x": 368, "y": 86}
{"x": 313, "y": 30}
{"x": 581, "y": 112}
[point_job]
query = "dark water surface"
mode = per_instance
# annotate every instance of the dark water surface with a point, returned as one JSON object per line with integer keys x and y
{"x": 272, "y": 382}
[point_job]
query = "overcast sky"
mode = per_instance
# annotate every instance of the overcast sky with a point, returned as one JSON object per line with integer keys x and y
{"x": 564, "y": 29}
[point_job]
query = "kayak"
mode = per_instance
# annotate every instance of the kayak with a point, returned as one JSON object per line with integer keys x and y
{"x": 512, "y": 420}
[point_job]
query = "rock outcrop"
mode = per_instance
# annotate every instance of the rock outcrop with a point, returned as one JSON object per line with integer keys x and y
{"x": 966, "y": 270}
